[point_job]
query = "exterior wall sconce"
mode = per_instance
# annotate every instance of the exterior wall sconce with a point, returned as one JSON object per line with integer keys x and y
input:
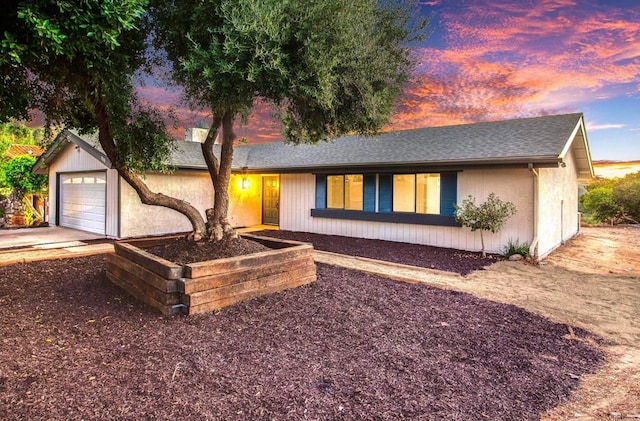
{"x": 244, "y": 180}
{"x": 244, "y": 183}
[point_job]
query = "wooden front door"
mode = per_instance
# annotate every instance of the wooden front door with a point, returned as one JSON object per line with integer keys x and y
{"x": 271, "y": 200}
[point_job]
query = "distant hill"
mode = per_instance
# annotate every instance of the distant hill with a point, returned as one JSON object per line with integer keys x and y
{"x": 612, "y": 169}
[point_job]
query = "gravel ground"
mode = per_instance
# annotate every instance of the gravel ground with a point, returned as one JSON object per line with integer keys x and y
{"x": 440, "y": 258}
{"x": 349, "y": 346}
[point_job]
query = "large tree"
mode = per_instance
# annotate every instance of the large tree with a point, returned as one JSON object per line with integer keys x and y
{"x": 328, "y": 67}
{"x": 76, "y": 62}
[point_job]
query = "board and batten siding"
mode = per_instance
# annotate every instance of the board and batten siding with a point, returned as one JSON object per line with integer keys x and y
{"x": 558, "y": 206}
{"x": 298, "y": 197}
{"x": 73, "y": 159}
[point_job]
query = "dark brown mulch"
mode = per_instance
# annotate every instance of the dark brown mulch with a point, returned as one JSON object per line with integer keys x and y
{"x": 183, "y": 251}
{"x": 440, "y": 258}
{"x": 349, "y": 346}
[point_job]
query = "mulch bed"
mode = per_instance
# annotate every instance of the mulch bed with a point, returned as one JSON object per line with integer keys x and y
{"x": 183, "y": 251}
{"x": 440, "y": 258}
{"x": 349, "y": 346}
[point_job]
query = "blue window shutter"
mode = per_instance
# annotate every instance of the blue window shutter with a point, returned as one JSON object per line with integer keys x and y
{"x": 369, "y": 193}
{"x": 448, "y": 193}
{"x": 321, "y": 191}
{"x": 385, "y": 194}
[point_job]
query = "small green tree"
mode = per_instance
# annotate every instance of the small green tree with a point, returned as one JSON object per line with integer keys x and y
{"x": 18, "y": 175}
{"x": 600, "y": 203}
{"x": 488, "y": 216}
{"x": 626, "y": 194}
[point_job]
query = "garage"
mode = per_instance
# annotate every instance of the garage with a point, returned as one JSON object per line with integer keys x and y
{"x": 82, "y": 201}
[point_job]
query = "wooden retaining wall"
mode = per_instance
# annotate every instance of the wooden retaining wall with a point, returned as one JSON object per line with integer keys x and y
{"x": 206, "y": 286}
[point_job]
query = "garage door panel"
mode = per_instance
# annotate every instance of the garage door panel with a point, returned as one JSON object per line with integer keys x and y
{"x": 82, "y": 201}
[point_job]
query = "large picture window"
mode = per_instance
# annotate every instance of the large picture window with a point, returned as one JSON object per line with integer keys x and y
{"x": 417, "y": 198}
{"x": 345, "y": 192}
{"x": 419, "y": 193}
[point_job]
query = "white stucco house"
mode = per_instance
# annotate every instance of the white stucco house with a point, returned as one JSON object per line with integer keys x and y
{"x": 398, "y": 186}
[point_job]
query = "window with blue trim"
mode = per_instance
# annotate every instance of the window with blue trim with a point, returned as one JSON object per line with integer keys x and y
{"x": 419, "y": 193}
{"x": 345, "y": 192}
{"x": 418, "y": 198}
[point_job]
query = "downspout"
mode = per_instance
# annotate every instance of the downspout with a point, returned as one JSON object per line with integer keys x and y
{"x": 533, "y": 248}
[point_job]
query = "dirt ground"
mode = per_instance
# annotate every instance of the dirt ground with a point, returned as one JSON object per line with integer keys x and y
{"x": 592, "y": 282}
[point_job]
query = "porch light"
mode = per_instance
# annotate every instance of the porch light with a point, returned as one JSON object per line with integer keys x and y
{"x": 244, "y": 181}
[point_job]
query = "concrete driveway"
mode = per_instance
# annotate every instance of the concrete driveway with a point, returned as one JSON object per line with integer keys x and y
{"x": 44, "y": 237}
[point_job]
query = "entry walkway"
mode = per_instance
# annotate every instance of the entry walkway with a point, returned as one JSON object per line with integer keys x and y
{"x": 45, "y": 236}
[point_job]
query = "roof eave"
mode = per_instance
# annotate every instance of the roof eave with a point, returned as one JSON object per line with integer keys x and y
{"x": 40, "y": 167}
{"x": 451, "y": 165}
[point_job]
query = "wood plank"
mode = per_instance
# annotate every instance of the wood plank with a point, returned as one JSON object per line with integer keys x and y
{"x": 167, "y": 310}
{"x": 282, "y": 280}
{"x": 150, "y": 291}
{"x": 157, "y": 281}
{"x": 157, "y": 265}
{"x": 193, "y": 285}
{"x": 219, "y": 304}
{"x": 274, "y": 243}
{"x": 148, "y": 242}
{"x": 219, "y": 266}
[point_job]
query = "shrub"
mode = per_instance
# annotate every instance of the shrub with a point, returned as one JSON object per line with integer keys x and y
{"x": 516, "y": 248}
{"x": 488, "y": 216}
{"x": 19, "y": 177}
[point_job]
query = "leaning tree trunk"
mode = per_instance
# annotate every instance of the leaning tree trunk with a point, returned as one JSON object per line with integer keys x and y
{"x": 218, "y": 225}
{"x": 484, "y": 254}
{"x": 145, "y": 194}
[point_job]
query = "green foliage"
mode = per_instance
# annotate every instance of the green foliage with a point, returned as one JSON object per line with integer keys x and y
{"x": 515, "y": 247}
{"x": 14, "y": 132}
{"x": 488, "y": 216}
{"x": 59, "y": 57}
{"x": 599, "y": 202}
{"x": 19, "y": 177}
{"x": 613, "y": 200}
{"x": 626, "y": 194}
{"x": 328, "y": 68}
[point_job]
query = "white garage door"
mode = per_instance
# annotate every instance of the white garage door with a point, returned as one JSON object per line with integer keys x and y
{"x": 82, "y": 201}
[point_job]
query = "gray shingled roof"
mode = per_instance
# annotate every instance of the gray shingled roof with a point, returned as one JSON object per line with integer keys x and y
{"x": 528, "y": 139}
{"x": 537, "y": 140}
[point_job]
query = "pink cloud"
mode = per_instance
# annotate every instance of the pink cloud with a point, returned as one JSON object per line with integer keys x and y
{"x": 511, "y": 58}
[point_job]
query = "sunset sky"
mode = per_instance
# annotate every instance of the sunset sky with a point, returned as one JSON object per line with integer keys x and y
{"x": 499, "y": 59}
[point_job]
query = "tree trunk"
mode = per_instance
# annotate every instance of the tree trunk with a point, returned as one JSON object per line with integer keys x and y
{"x": 484, "y": 254}
{"x": 218, "y": 226}
{"x": 147, "y": 196}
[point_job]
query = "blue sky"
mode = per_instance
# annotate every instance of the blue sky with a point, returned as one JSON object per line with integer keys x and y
{"x": 498, "y": 59}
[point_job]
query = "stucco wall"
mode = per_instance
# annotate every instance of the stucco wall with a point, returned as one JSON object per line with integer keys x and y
{"x": 137, "y": 219}
{"x": 245, "y": 206}
{"x": 558, "y": 206}
{"x": 297, "y": 197}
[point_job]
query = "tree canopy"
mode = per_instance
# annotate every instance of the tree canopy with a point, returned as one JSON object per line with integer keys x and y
{"x": 614, "y": 199}
{"x": 328, "y": 68}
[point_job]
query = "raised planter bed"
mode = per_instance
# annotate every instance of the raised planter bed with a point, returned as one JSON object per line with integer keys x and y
{"x": 206, "y": 286}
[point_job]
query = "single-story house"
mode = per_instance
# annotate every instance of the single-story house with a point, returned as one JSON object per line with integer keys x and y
{"x": 398, "y": 186}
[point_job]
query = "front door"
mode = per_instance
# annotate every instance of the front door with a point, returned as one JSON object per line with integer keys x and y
{"x": 270, "y": 200}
